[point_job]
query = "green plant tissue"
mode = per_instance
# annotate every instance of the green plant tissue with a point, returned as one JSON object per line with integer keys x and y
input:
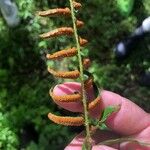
{"x": 125, "y": 6}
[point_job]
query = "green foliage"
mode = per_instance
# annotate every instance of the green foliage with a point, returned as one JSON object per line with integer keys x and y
{"x": 100, "y": 123}
{"x": 108, "y": 28}
{"x": 24, "y": 84}
{"x": 108, "y": 111}
{"x": 7, "y": 134}
{"x": 125, "y": 6}
{"x": 24, "y": 81}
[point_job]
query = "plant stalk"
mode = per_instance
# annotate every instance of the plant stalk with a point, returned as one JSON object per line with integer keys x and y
{"x": 120, "y": 140}
{"x": 84, "y": 97}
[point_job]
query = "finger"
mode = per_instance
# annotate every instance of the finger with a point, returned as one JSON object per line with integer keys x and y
{"x": 130, "y": 119}
{"x": 102, "y": 147}
{"x": 99, "y": 136}
{"x": 66, "y": 89}
{"x": 70, "y": 88}
{"x": 143, "y": 137}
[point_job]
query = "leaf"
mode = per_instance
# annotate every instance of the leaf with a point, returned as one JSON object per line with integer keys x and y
{"x": 42, "y": 44}
{"x": 103, "y": 127}
{"x": 108, "y": 111}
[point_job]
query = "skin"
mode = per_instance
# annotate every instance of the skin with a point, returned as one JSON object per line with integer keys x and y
{"x": 130, "y": 120}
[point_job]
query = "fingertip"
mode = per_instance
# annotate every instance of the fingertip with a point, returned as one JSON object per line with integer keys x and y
{"x": 110, "y": 98}
{"x": 66, "y": 88}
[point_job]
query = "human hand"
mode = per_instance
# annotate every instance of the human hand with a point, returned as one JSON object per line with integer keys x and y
{"x": 129, "y": 122}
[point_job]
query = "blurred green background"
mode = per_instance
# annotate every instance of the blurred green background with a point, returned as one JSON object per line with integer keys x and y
{"x": 25, "y": 82}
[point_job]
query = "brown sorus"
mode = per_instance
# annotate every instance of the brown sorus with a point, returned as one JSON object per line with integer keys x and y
{"x": 66, "y": 98}
{"x": 77, "y": 5}
{"x": 86, "y": 63}
{"x": 57, "y": 32}
{"x": 65, "y": 74}
{"x": 93, "y": 103}
{"x": 63, "y": 53}
{"x": 67, "y": 121}
{"x": 55, "y": 12}
{"x": 83, "y": 41}
{"x": 88, "y": 84}
{"x": 79, "y": 23}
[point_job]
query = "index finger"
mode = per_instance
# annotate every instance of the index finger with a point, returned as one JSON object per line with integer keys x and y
{"x": 128, "y": 120}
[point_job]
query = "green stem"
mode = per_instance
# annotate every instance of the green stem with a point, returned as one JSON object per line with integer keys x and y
{"x": 120, "y": 140}
{"x": 84, "y": 98}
